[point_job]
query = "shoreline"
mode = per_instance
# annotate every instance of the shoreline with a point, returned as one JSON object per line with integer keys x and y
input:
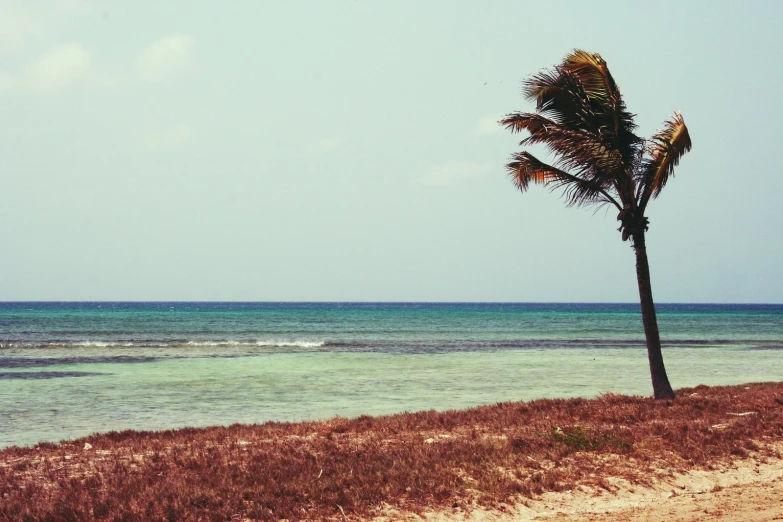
{"x": 489, "y": 459}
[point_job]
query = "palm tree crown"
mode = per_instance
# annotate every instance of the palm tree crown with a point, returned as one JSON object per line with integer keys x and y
{"x": 581, "y": 117}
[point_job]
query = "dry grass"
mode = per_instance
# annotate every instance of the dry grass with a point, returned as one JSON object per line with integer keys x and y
{"x": 361, "y": 467}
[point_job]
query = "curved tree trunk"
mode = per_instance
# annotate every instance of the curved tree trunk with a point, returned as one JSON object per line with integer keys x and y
{"x": 661, "y": 387}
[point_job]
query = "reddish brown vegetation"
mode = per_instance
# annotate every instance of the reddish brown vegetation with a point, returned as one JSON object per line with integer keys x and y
{"x": 411, "y": 461}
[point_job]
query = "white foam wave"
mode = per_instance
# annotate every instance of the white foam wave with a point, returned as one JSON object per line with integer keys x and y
{"x": 112, "y": 344}
{"x": 100, "y": 344}
{"x": 297, "y": 344}
{"x": 281, "y": 344}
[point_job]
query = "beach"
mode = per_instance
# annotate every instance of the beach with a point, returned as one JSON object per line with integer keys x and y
{"x": 551, "y": 458}
{"x": 747, "y": 490}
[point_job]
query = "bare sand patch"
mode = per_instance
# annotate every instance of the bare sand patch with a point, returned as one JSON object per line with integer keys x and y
{"x": 747, "y": 490}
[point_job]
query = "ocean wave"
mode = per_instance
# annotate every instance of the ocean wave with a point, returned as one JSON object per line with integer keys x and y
{"x": 77, "y": 344}
{"x": 271, "y": 344}
{"x": 158, "y": 343}
{"x": 100, "y": 344}
{"x": 379, "y": 344}
{"x": 296, "y": 344}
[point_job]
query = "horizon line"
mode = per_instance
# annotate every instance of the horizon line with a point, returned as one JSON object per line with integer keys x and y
{"x": 130, "y": 301}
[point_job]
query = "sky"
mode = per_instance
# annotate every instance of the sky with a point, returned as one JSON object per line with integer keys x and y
{"x": 338, "y": 150}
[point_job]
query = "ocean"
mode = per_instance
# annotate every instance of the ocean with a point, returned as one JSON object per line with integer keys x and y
{"x": 72, "y": 369}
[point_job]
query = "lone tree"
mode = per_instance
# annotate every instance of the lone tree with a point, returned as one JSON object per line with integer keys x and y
{"x": 581, "y": 117}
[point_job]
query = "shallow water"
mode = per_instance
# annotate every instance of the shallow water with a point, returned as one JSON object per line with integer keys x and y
{"x": 68, "y": 370}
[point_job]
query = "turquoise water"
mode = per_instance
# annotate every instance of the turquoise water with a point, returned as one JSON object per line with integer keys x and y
{"x": 71, "y": 369}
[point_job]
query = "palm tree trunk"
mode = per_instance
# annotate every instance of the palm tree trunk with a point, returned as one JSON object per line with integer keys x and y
{"x": 661, "y": 387}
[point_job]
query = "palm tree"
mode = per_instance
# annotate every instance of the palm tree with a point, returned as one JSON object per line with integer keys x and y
{"x": 581, "y": 117}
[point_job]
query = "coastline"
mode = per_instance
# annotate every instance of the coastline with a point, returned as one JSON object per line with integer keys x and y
{"x": 68, "y": 370}
{"x": 455, "y": 462}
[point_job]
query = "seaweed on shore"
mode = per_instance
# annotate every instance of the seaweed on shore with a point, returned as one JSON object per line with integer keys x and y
{"x": 366, "y": 466}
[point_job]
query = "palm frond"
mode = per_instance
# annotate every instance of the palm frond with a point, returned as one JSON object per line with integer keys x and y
{"x": 618, "y": 126}
{"x": 577, "y": 150}
{"x": 525, "y": 169}
{"x": 593, "y": 74}
{"x": 560, "y": 96}
{"x": 665, "y": 150}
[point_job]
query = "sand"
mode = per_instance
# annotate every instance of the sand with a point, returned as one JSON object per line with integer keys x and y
{"x": 749, "y": 490}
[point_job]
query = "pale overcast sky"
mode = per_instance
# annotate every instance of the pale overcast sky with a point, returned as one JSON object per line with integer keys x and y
{"x": 347, "y": 150}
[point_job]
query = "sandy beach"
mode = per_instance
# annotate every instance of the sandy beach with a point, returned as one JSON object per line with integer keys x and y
{"x": 711, "y": 452}
{"x": 748, "y": 490}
